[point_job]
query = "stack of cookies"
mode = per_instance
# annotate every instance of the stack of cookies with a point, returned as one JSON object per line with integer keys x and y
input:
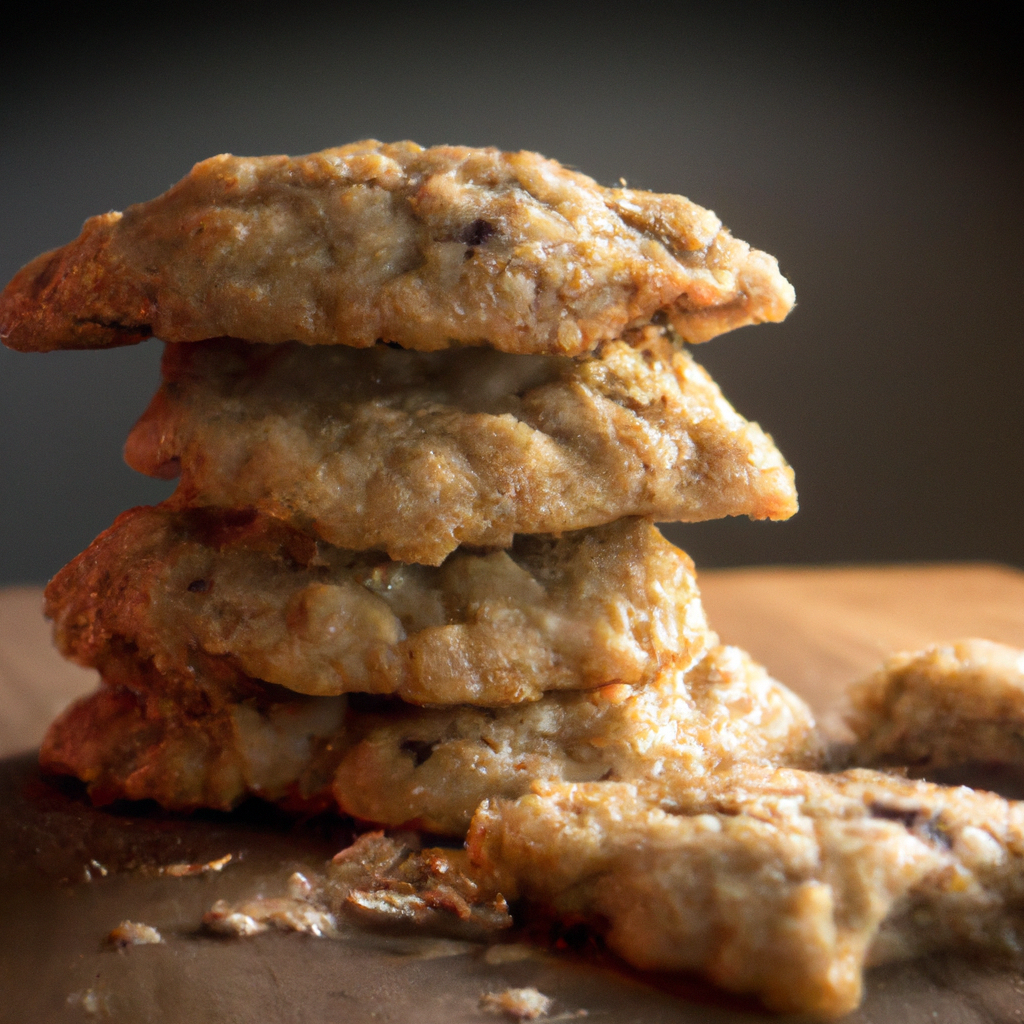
{"x": 425, "y": 405}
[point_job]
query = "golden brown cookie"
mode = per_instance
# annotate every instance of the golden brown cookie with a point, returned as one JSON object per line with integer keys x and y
{"x": 775, "y": 882}
{"x": 424, "y": 247}
{"x": 431, "y": 768}
{"x": 210, "y": 738}
{"x": 416, "y": 453}
{"x": 611, "y": 604}
{"x": 948, "y": 705}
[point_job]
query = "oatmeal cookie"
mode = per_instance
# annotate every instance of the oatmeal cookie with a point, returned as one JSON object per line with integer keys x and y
{"x": 424, "y": 247}
{"x": 776, "y": 882}
{"x": 610, "y": 604}
{"x": 211, "y": 737}
{"x": 189, "y": 740}
{"x": 416, "y": 453}
{"x": 949, "y": 705}
{"x": 431, "y": 768}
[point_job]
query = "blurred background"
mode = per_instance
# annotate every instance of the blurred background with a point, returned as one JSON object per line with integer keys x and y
{"x": 879, "y": 157}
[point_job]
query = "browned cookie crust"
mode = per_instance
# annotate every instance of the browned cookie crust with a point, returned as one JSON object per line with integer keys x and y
{"x": 416, "y": 453}
{"x": 424, "y": 247}
{"x": 203, "y": 739}
{"x": 611, "y": 604}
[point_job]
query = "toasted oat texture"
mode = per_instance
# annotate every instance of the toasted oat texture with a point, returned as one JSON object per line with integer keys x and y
{"x": 186, "y": 744}
{"x": 417, "y": 453}
{"x": 779, "y": 883}
{"x": 945, "y": 706}
{"x": 611, "y": 604}
{"x": 424, "y": 247}
{"x": 261, "y": 913}
{"x": 379, "y": 880}
{"x": 430, "y": 769}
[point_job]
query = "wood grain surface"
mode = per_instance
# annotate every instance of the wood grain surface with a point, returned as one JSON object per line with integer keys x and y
{"x": 819, "y": 629}
{"x": 35, "y": 681}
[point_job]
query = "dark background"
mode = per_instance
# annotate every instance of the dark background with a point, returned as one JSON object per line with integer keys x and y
{"x": 878, "y": 156}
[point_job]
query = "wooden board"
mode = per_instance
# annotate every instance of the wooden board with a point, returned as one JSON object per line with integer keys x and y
{"x": 35, "y": 681}
{"x": 816, "y": 629}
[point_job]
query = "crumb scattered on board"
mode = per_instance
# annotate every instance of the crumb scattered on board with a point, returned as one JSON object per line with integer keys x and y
{"x": 261, "y": 914}
{"x": 378, "y": 880}
{"x": 92, "y": 1002}
{"x": 132, "y": 933}
{"x": 93, "y": 865}
{"x": 187, "y": 870}
{"x": 293, "y": 912}
{"x": 517, "y": 1003}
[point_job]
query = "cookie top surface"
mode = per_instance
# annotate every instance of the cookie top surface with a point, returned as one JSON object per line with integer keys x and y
{"x": 427, "y": 248}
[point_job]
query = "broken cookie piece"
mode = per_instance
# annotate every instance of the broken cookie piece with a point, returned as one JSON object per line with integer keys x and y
{"x": 378, "y": 881}
{"x": 775, "y": 882}
{"x": 946, "y": 706}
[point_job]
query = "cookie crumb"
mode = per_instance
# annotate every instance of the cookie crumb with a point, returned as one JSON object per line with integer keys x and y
{"x": 131, "y": 933}
{"x": 94, "y": 1003}
{"x": 188, "y": 870}
{"x": 262, "y": 913}
{"x": 517, "y": 1003}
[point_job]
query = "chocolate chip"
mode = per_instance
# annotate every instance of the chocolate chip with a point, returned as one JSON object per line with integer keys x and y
{"x": 198, "y": 586}
{"x": 478, "y": 232}
{"x": 904, "y": 817}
